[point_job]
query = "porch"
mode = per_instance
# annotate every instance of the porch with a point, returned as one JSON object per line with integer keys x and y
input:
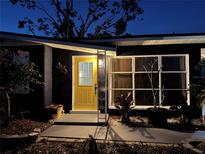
{"x": 84, "y": 119}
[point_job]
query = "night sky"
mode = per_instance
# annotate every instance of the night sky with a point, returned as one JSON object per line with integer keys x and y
{"x": 160, "y": 17}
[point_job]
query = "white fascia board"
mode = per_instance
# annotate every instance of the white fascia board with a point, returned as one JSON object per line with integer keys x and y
{"x": 158, "y": 40}
{"x": 161, "y": 42}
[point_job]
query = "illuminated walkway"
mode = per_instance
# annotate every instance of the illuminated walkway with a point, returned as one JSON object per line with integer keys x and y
{"x": 118, "y": 131}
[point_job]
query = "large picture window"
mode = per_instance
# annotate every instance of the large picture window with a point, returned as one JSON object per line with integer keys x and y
{"x": 170, "y": 77}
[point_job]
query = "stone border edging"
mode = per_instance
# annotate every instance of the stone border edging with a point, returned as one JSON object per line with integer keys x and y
{"x": 32, "y": 134}
{"x": 18, "y": 139}
{"x": 62, "y": 139}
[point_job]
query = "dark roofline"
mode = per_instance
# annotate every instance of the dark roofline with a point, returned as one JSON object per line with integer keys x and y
{"x": 104, "y": 38}
{"x": 39, "y": 37}
{"x": 145, "y": 35}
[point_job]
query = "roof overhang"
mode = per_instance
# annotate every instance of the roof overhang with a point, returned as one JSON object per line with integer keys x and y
{"x": 107, "y": 44}
{"x": 87, "y": 48}
{"x": 162, "y": 40}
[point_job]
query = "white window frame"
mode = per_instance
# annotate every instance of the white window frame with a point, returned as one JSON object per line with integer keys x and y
{"x": 203, "y": 68}
{"x": 110, "y": 73}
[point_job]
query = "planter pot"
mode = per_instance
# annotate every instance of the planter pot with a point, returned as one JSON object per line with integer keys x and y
{"x": 55, "y": 111}
{"x": 125, "y": 117}
{"x": 157, "y": 117}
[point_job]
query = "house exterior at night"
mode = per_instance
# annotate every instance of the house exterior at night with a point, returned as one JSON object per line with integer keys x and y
{"x": 100, "y": 70}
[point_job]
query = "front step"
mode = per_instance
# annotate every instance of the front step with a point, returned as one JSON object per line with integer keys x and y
{"x": 83, "y": 112}
{"x": 82, "y": 119}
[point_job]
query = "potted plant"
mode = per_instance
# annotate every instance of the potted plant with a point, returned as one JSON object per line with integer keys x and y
{"x": 55, "y": 111}
{"x": 198, "y": 89}
{"x": 156, "y": 114}
{"x": 124, "y": 104}
{"x": 201, "y": 102}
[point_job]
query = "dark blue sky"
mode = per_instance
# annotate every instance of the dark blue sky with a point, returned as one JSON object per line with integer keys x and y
{"x": 160, "y": 17}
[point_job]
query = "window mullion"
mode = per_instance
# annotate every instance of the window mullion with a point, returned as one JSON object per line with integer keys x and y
{"x": 133, "y": 79}
{"x": 187, "y": 78}
{"x": 110, "y": 80}
{"x": 160, "y": 78}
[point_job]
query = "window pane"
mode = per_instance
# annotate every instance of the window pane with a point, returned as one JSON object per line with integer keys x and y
{"x": 146, "y": 63}
{"x": 85, "y": 73}
{"x": 174, "y": 80}
{"x": 173, "y": 63}
{"x": 174, "y": 97}
{"x": 122, "y": 80}
{"x": 145, "y": 97}
{"x": 121, "y": 65}
{"x": 21, "y": 58}
{"x": 117, "y": 93}
{"x": 142, "y": 80}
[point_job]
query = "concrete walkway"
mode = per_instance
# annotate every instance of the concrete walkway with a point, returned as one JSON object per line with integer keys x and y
{"x": 119, "y": 131}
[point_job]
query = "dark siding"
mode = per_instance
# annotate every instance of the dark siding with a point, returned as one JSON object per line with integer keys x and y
{"x": 62, "y": 84}
{"x": 192, "y": 50}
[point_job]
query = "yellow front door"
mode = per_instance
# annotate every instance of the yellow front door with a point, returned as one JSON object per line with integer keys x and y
{"x": 85, "y": 83}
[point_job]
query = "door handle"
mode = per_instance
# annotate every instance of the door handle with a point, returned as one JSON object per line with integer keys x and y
{"x": 95, "y": 89}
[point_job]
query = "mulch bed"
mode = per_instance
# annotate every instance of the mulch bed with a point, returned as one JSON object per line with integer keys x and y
{"x": 22, "y": 126}
{"x": 26, "y": 126}
{"x": 117, "y": 148}
{"x": 101, "y": 148}
{"x": 17, "y": 133}
{"x": 173, "y": 123}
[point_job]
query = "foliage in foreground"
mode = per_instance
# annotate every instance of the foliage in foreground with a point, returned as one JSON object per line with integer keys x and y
{"x": 124, "y": 104}
{"x": 66, "y": 20}
{"x": 14, "y": 75}
{"x": 201, "y": 93}
{"x": 198, "y": 86}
